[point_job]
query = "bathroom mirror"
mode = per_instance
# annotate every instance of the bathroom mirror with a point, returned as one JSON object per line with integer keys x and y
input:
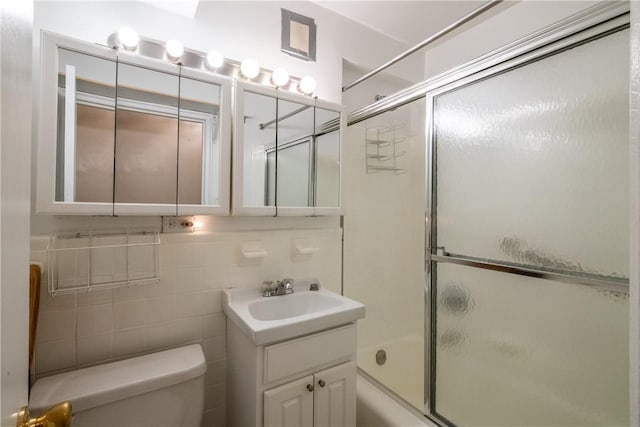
{"x": 287, "y": 153}
{"x": 255, "y": 133}
{"x": 328, "y": 158}
{"x": 293, "y": 155}
{"x": 123, "y": 134}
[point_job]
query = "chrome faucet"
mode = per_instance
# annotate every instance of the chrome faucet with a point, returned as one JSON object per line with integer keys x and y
{"x": 284, "y": 287}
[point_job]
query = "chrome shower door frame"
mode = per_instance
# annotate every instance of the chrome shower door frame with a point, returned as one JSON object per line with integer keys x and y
{"x": 595, "y": 22}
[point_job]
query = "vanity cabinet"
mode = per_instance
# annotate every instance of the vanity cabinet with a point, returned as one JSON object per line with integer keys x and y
{"x": 307, "y": 381}
{"x": 318, "y": 400}
{"x": 123, "y": 134}
{"x": 287, "y": 152}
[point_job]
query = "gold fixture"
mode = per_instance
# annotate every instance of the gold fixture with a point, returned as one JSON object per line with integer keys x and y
{"x": 57, "y": 416}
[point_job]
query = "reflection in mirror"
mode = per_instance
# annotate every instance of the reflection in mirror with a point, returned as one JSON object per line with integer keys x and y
{"x": 86, "y": 105}
{"x": 327, "y": 160}
{"x": 199, "y": 143}
{"x": 294, "y": 154}
{"x": 146, "y": 136}
{"x": 259, "y": 136}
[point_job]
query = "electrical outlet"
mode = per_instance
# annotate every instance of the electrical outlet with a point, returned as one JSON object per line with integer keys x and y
{"x": 178, "y": 224}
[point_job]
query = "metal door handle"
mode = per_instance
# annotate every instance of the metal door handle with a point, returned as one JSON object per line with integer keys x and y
{"x": 321, "y": 383}
{"x": 57, "y": 416}
{"x": 309, "y": 387}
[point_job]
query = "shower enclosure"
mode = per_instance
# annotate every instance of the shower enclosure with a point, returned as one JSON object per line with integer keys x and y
{"x": 512, "y": 308}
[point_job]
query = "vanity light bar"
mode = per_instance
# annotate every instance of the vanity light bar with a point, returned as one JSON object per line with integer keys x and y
{"x": 212, "y": 61}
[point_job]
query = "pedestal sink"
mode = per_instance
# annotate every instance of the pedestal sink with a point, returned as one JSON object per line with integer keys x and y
{"x": 269, "y": 319}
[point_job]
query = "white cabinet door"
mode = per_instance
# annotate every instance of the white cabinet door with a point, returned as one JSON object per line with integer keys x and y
{"x": 335, "y": 396}
{"x": 290, "y": 405}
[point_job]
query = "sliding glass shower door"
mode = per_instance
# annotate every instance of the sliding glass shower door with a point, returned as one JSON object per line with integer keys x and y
{"x": 529, "y": 240}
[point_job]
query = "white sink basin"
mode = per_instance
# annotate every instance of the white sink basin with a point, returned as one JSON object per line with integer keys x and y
{"x": 269, "y": 319}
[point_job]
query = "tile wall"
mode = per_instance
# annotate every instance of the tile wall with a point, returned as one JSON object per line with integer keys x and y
{"x": 184, "y": 307}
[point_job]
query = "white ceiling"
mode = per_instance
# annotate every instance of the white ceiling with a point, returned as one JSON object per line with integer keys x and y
{"x": 409, "y": 22}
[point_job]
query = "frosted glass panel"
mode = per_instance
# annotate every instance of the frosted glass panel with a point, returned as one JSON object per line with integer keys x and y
{"x": 532, "y": 163}
{"x": 518, "y": 351}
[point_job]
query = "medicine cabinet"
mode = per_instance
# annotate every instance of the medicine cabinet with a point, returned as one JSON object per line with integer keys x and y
{"x": 121, "y": 134}
{"x": 287, "y": 152}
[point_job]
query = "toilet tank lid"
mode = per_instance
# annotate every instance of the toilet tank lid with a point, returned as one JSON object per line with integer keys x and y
{"x": 99, "y": 385}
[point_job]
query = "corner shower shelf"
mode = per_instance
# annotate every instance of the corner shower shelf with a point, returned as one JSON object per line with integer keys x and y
{"x": 385, "y": 153}
{"x": 90, "y": 260}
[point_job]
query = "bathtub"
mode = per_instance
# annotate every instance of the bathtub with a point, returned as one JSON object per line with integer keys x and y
{"x": 375, "y": 408}
{"x": 402, "y": 373}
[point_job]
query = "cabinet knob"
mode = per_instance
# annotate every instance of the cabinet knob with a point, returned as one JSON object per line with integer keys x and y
{"x": 309, "y": 387}
{"x": 322, "y": 383}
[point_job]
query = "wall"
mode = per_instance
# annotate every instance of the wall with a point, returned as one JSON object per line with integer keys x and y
{"x": 384, "y": 247}
{"x": 184, "y": 307}
{"x": 89, "y": 328}
{"x": 478, "y": 37}
{"x": 238, "y": 29}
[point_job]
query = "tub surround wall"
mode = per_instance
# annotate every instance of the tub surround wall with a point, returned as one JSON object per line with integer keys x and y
{"x": 184, "y": 307}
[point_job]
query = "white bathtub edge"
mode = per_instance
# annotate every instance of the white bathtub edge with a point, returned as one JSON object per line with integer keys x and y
{"x": 375, "y": 409}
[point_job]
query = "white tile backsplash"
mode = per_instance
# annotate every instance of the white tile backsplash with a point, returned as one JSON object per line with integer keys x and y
{"x": 184, "y": 307}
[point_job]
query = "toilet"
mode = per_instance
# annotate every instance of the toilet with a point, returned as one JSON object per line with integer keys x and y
{"x": 163, "y": 389}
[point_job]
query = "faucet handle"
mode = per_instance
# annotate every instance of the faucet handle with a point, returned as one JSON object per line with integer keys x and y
{"x": 287, "y": 283}
{"x": 268, "y": 288}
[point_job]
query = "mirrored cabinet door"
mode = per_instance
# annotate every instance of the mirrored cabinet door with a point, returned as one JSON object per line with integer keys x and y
{"x": 203, "y": 144}
{"x": 328, "y": 159}
{"x": 287, "y": 153}
{"x": 146, "y": 149}
{"x": 254, "y": 179}
{"x": 294, "y": 156}
{"x": 121, "y": 134}
{"x": 77, "y": 122}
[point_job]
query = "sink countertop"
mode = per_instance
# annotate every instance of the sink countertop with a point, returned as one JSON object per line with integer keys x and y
{"x": 301, "y": 313}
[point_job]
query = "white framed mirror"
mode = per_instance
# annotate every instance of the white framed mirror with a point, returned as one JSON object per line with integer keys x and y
{"x": 287, "y": 153}
{"x": 122, "y": 134}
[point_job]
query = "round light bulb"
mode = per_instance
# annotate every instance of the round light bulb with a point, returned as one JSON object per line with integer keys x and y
{"x": 307, "y": 85}
{"x": 280, "y": 77}
{"x": 128, "y": 38}
{"x": 174, "y": 49}
{"x": 214, "y": 59}
{"x": 249, "y": 68}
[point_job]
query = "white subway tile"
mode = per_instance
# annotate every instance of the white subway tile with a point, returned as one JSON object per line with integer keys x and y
{"x": 216, "y": 417}
{"x": 188, "y": 330}
{"x": 55, "y": 355}
{"x": 215, "y": 395}
{"x": 56, "y": 325}
{"x": 95, "y": 319}
{"x": 212, "y": 301}
{"x": 95, "y": 297}
{"x": 129, "y": 314}
{"x": 214, "y": 348}
{"x": 160, "y": 309}
{"x": 214, "y": 325}
{"x": 166, "y": 285}
{"x": 95, "y": 348}
{"x": 189, "y": 280}
{"x": 58, "y": 302}
{"x": 167, "y": 256}
{"x": 128, "y": 293}
{"x": 188, "y": 305}
{"x": 189, "y": 255}
{"x": 221, "y": 253}
{"x": 129, "y": 342}
{"x": 216, "y": 372}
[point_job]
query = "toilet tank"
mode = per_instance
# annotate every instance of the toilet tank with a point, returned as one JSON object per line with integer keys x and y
{"x": 163, "y": 389}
